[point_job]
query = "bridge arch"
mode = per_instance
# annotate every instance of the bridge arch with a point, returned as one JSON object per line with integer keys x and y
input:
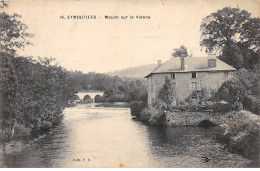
{"x": 206, "y": 123}
{"x": 87, "y": 98}
{"x": 97, "y": 96}
{"x": 89, "y": 95}
{"x": 75, "y": 97}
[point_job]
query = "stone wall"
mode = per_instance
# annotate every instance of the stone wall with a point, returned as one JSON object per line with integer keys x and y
{"x": 192, "y": 118}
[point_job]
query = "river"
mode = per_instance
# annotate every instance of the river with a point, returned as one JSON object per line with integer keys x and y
{"x": 96, "y": 135}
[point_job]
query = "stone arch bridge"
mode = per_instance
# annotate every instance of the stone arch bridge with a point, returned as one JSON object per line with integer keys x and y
{"x": 89, "y": 95}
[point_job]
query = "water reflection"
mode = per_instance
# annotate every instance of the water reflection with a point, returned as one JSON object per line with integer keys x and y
{"x": 105, "y": 136}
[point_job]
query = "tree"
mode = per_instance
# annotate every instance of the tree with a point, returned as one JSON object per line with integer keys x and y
{"x": 250, "y": 34}
{"x": 234, "y": 34}
{"x": 12, "y": 37}
{"x": 222, "y": 27}
{"x": 45, "y": 90}
{"x": 233, "y": 55}
{"x": 167, "y": 93}
{"x": 32, "y": 92}
{"x": 180, "y": 52}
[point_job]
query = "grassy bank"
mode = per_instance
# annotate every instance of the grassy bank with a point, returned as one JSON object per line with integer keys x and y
{"x": 242, "y": 129}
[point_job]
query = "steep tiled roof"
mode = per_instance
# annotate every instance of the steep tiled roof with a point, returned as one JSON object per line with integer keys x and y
{"x": 191, "y": 64}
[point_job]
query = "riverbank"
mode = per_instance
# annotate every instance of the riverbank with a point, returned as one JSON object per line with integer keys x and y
{"x": 21, "y": 140}
{"x": 242, "y": 130}
{"x": 127, "y": 142}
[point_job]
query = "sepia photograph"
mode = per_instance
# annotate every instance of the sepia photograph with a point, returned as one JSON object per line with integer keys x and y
{"x": 129, "y": 84}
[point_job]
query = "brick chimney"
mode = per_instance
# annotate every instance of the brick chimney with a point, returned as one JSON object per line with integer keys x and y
{"x": 182, "y": 63}
{"x": 159, "y": 63}
{"x": 212, "y": 60}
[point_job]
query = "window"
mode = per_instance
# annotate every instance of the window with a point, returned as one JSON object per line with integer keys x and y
{"x": 194, "y": 96}
{"x": 201, "y": 84}
{"x": 194, "y": 85}
{"x": 172, "y": 75}
{"x": 193, "y": 75}
{"x": 151, "y": 78}
{"x": 152, "y": 101}
{"x": 174, "y": 86}
{"x": 212, "y": 63}
{"x": 226, "y": 73}
{"x": 152, "y": 88}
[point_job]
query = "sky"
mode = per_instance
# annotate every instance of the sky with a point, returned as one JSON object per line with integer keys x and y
{"x": 103, "y": 45}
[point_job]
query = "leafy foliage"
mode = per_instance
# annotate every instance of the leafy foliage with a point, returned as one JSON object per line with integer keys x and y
{"x": 12, "y": 37}
{"x": 167, "y": 93}
{"x": 234, "y": 35}
{"x": 180, "y": 52}
{"x": 153, "y": 116}
{"x": 44, "y": 90}
{"x": 241, "y": 131}
{"x": 221, "y": 27}
{"x": 12, "y": 33}
{"x": 232, "y": 91}
{"x": 33, "y": 93}
{"x": 136, "y": 107}
{"x": 116, "y": 89}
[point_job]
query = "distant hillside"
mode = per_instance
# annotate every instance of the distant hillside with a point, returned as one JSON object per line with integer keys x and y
{"x": 134, "y": 72}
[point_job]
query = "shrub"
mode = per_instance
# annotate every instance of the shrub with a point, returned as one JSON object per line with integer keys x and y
{"x": 153, "y": 116}
{"x": 21, "y": 130}
{"x": 209, "y": 106}
{"x": 232, "y": 91}
{"x": 221, "y": 107}
{"x": 100, "y": 99}
{"x": 136, "y": 107}
{"x": 145, "y": 115}
{"x": 167, "y": 92}
{"x": 241, "y": 130}
{"x": 252, "y": 104}
{"x": 161, "y": 104}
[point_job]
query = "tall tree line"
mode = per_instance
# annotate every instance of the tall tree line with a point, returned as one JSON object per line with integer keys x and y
{"x": 33, "y": 92}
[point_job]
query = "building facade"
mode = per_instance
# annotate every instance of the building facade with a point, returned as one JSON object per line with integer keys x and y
{"x": 188, "y": 75}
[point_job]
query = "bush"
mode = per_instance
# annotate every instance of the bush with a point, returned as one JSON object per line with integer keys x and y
{"x": 167, "y": 93}
{"x": 161, "y": 104}
{"x": 100, "y": 99}
{"x": 241, "y": 130}
{"x": 136, "y": 107}
{"x": 21, "y": 130}
{"x": 153, "y": 116}
{"x": 252, "y": 104}
{"x": 145, "y": 115}
{"x": 116, "y": 98}
{"x": 231, "y": 91}
{"x": 213, "y": 107}
{"x": 221, "y": 107}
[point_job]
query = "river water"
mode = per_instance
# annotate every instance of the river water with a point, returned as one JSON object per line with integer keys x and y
{"x": 96, "y": 135}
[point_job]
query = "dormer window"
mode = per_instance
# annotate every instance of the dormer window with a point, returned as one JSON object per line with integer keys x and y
{"x": 211, "y": 63}
{"x": 193, "y": 75}
{"x": 172, "y": 75}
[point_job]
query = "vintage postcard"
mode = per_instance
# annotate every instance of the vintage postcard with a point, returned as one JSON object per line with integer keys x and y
{"x": 129, "y": 84}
